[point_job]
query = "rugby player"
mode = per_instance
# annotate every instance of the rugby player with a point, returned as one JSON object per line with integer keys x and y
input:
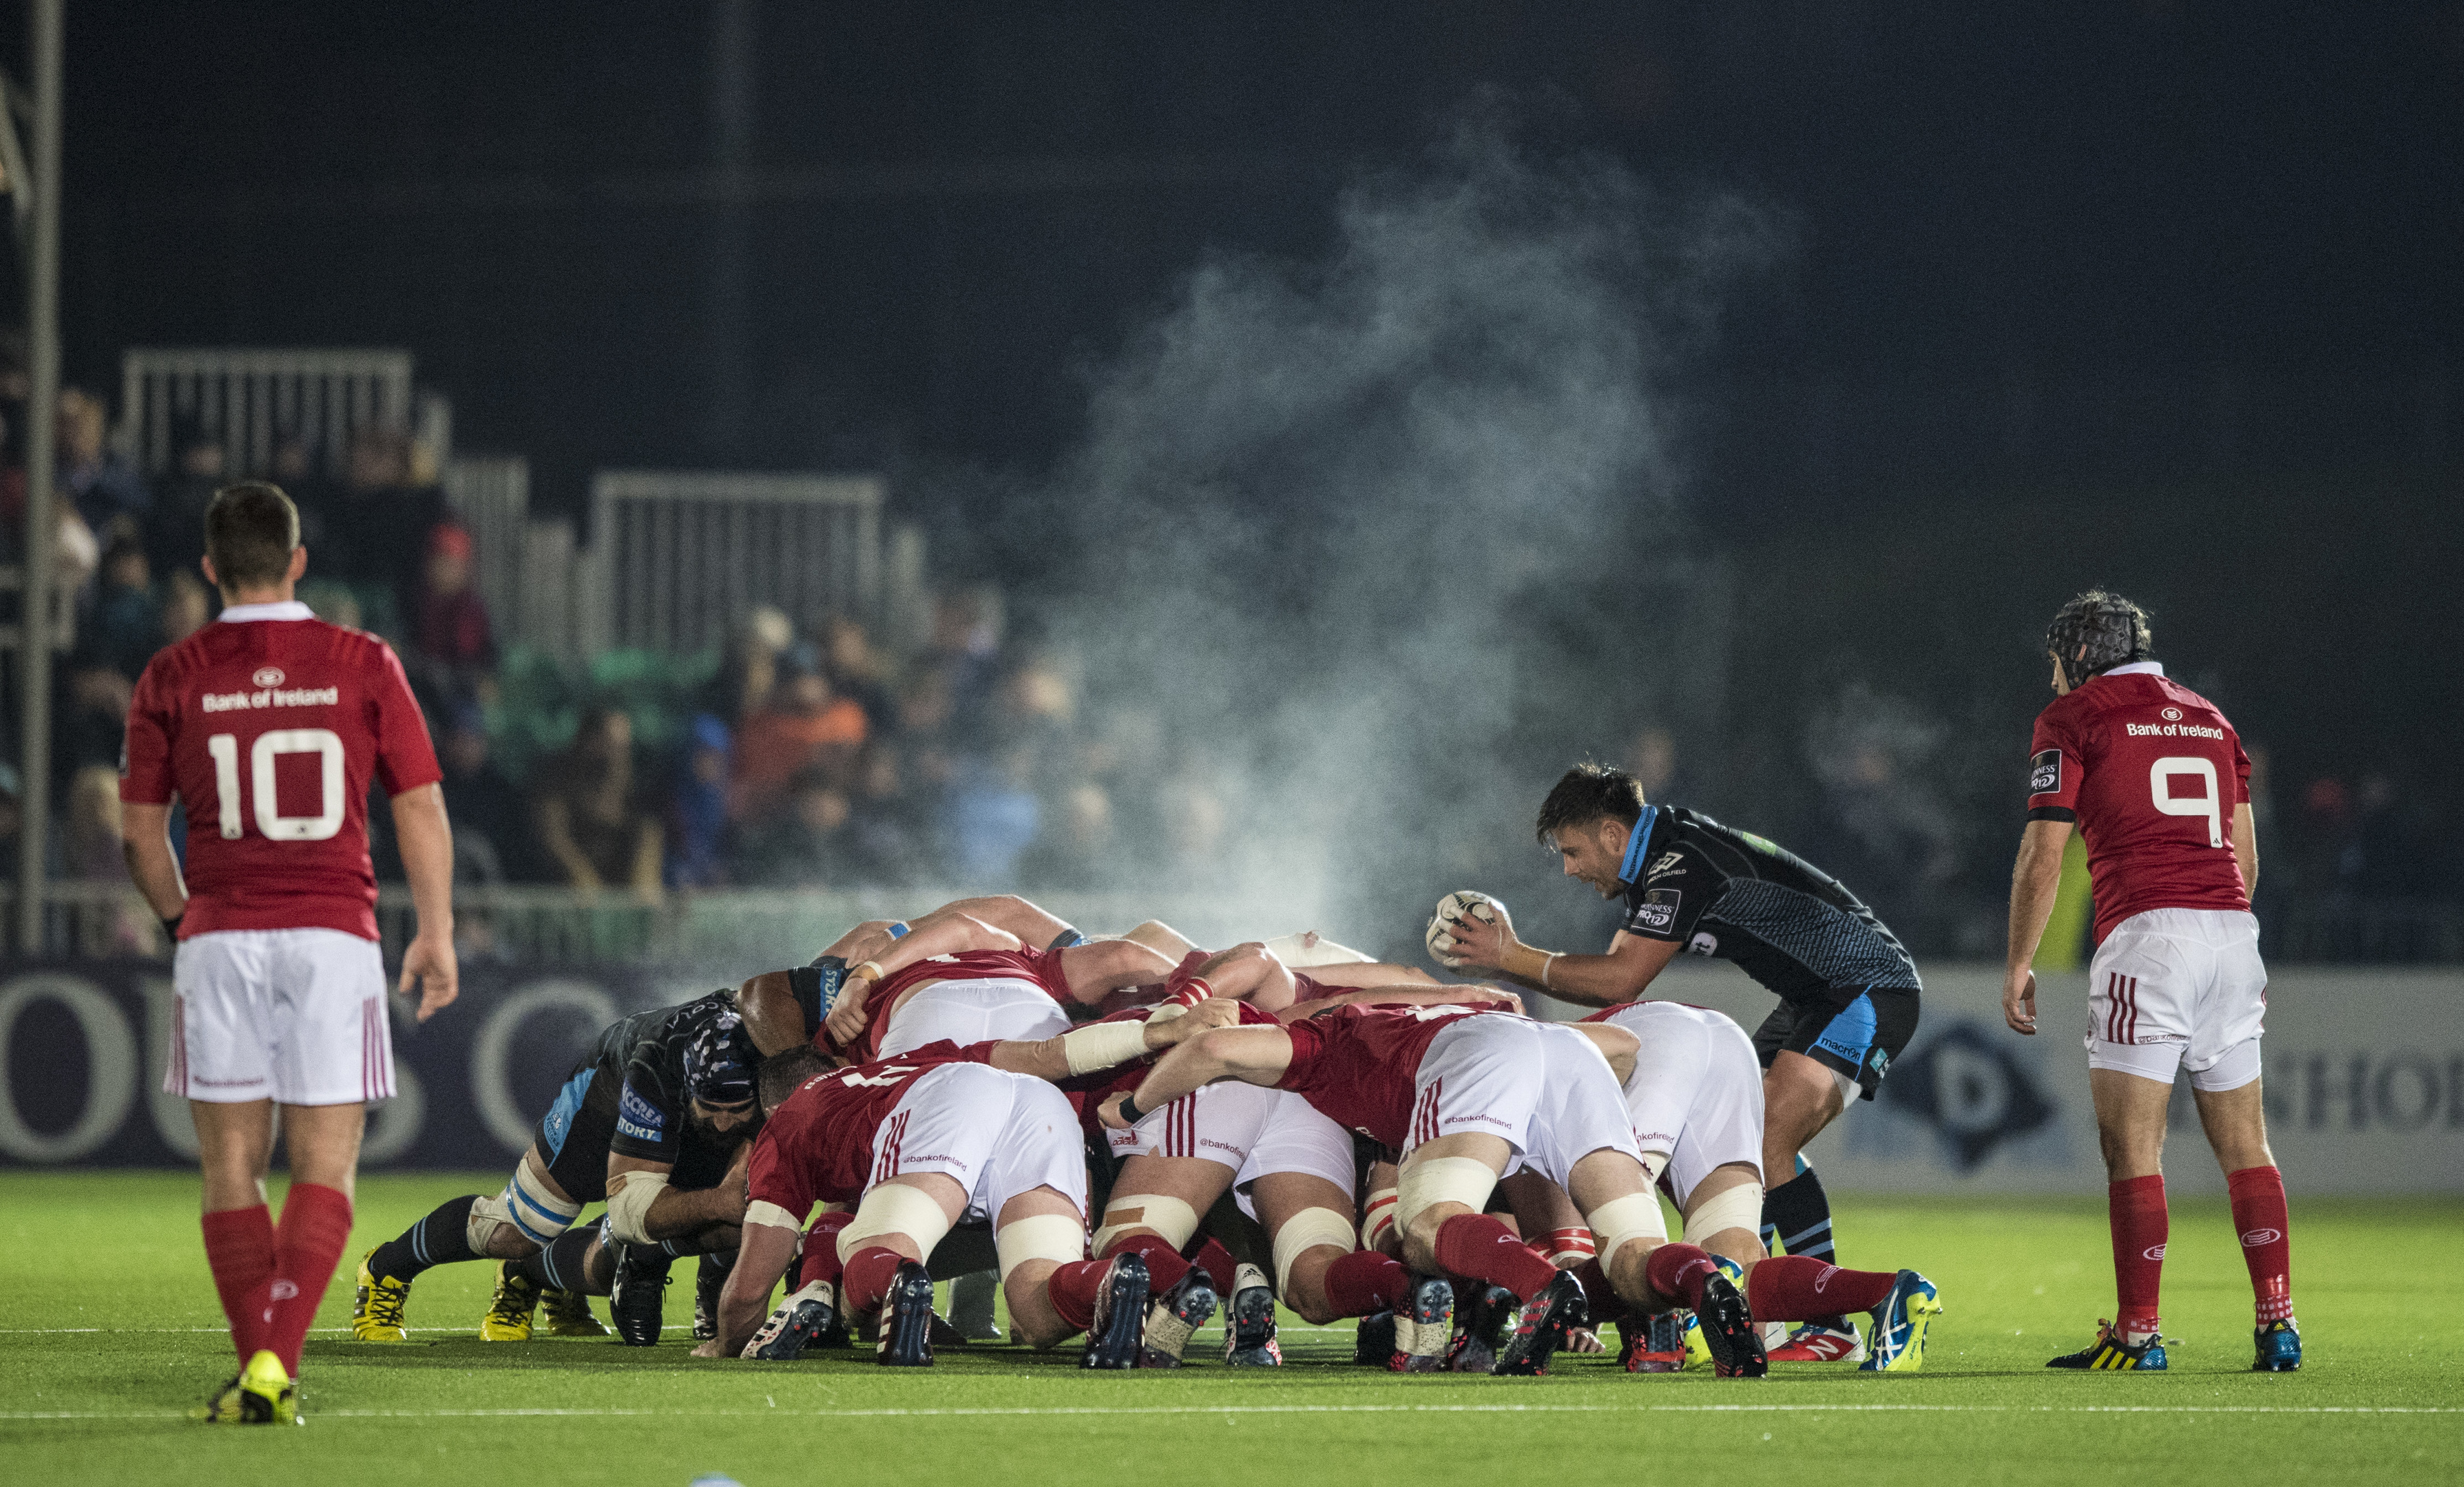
{"x": 271, "y": 725}
{"x": 1848, "y": 990}
{"x": 1461, "y": 1094}
{"x": 652, "y": 1122}
{"x": 2155, "y": 780}
{"x": 921, "y": 1143}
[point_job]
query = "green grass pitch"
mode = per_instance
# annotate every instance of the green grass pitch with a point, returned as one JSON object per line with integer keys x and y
{"x": 109, "y": 1330}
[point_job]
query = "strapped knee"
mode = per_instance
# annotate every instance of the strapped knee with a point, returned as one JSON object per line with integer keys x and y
{"x": 1310, "y": 1229}
{"x": 1177, "y": 1221}
{"x": 895, "y": 1208}
{"x": 1424, "y": 1183}
{"x": 527, "y": 1207}
{"x": 1378, "y": 1218}
{"x": 628, "y": 1207}
{"x": 1621, "y": 1221}
{"x": 1059, "y": 1237}
{"x": 1740, "y": 1207}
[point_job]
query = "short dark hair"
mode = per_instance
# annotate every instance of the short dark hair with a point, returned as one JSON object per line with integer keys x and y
{"x": 782, "y": 1072}
{"x": 1589, "y": 793}
{"x": 251, "y": 530}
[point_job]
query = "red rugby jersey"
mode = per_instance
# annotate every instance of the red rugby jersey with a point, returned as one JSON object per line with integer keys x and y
{"x": 1042, "y": 966}
{"x": 1357, "y": 1065}
{"x": 269, "y": 723}
{"x": 817, "y": 1146}
{"x": 2151, "y": 772}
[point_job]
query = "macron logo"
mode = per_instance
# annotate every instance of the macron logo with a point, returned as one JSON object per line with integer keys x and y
{"x": 2155, "y": 1252}
{"x": 2259, "y": 1237}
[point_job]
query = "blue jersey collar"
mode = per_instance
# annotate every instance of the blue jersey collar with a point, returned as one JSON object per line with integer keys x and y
{"x": 1637, "y": 844}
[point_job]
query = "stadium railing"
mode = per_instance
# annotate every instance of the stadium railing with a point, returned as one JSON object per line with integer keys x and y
{"x": 249, "y": 397}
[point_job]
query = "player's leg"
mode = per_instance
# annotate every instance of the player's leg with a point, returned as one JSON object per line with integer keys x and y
{"x": 1053, "y": 1293}
{"x": 1318, "y": 1273}
{"x": 234, "y": 1145}
{"x": 1163, "y": 939}
{"x": 882, "y": 1253}
{"x": 2236, "y": 1121}
{"x": 1441, "y": 1197}
{"x": 221, "y": 1063}
{"x": 1154, "y": 1214}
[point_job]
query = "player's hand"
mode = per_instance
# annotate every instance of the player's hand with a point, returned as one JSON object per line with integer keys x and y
{"x": 1109, "y": 1113}
{"x": 1482, "y": 942}
{"x": 1583, "y": 1340}
{"x": 846, "y": 1018}
{"x": 2020, "y": 1000}
{"x": 1185, "y": 1023}
{"x": 1481, "y": 993}
{"x": 731, "y": 1196}
{"x": 430, "y": 963}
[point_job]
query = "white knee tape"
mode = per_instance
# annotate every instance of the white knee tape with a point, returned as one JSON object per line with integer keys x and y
{"x": 1060, "y": 1237}
{"x": 1634, "y": 1217}
{"x": 628, "y": 1208}
{"x": 1740, "y": 1207}
{"x": 1303, "y": 1232}
{"x": 895, "y": 1208}
{"x": 1423, "y": 1183}
{"x": 1177, "y": 1221}
{"x": 1377, "y": 1219}
{"x": 535, "y": 1213}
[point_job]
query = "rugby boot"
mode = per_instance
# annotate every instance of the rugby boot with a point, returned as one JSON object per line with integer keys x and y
{"x": 906, "y": 1319}
{"x": 2110, "y": 1354}
{"x": 1541, "y": 1326}
{"x": 1373, "y": 1339}
{"x": 376, "y": 1312}
{"x": 1250, "y": 1328}
{"x": 1113, "y": 1338}
{"x": 1819, "y": 1342}
{"x": 971, "y": 1307}
{"x": 1900, "y": 1324}
{"x": 1420, "y": 1331}
{"x": 637, "y": 1301}
{"x": 1655, "y": 1344}
{"x": 1479, "y": 1330}
{"x": 568, "y": 1315}
{"x": 1171, "y": 1319}
{"x": 1729, "y": 1331}
{"x": 226, "y": 1406}
{"x": 799, "y": 1323}
{"x": 509, "y": 1313}
{"x": 710, "y": 1279}
{"x": 2280, "y": 1348}
{"x": 262, "y": 1394}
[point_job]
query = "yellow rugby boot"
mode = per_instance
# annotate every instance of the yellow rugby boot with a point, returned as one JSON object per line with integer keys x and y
{"x": 568, "y": 1315}
{"x": 509, "y": 1314}
{"x": 376, "y": 1311}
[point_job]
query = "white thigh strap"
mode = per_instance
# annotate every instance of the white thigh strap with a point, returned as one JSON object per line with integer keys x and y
{"x": 1177, "y": 1221}
{"x": 1740, "y": 1207}
{"x": 895, "y": 1208}
{"x": 1310, "y": 1229}
{"x": 1424, "y": 1182}
{"x": 1059, "y": 1237}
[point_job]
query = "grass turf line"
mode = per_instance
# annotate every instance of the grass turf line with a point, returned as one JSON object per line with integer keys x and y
{"x": 119, "y": 1253}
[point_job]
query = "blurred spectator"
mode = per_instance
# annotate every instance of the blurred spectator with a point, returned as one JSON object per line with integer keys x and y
{"x": 175, "y": 534}
{"x": 750, "y": 671}
{"x": 96, "y": 715}
{"x": 127, "y": 613}
{"x": 857, "y": 673}
{"x": 805, "y": 726}
{"x": 806, "y": 843}
{"x": 103, "y": 487}
{"x": 187, "y": 607}
{"x": 10, "y": 813}
{"x": 1075, "y": 849}
{"x": 376, "y": 529}
{"x": 589, "y": 820}
{"x": 886, "y": 843}
{"x": 91, "y": 838}
{"x": 991, "y": 818}
{"x": 492, "y": 818}
{"x": 332, "y": 603}
{"x": 452, "y": 647}
{"x": 697, "y": 810}
{"x": 965, "y": 649}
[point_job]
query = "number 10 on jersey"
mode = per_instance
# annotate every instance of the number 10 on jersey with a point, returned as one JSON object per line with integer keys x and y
{"x": 270, "y": 822}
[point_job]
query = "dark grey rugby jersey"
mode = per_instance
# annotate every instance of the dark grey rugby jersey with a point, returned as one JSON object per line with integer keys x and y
{"x": 647, "y": 1052}
{"x": 1786, "y": 923}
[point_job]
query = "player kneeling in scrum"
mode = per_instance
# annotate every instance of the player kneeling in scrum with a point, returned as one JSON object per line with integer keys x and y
{"x": 920, "y": 1144}
{"x": 1462, "y": 1095}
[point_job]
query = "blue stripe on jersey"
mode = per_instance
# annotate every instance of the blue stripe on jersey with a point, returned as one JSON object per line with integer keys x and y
{"x": 1637, "y": 844}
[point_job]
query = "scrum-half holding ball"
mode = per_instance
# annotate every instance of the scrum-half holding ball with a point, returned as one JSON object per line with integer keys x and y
{"x": 1450, "y": 911}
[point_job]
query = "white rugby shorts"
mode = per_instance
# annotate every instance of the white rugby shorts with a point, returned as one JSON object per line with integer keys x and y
{"x": 973, "y": 1012}
{"x": 1696, "y": 1093}
{"x": 1255, "y": 1132}
{"x": 2179, "y": 989}
{"x": 294, "y": 1015}
{"x": 999, "y": 1134}
{"x": 1540, "y": 1087}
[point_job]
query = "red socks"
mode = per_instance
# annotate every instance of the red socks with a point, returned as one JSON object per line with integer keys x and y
{"x": 869, "y": 1272}
{"x": 820, "y": 1260}
{"x": 2260, "y": 1217}
{"x": 1365, "y": 1281}
{"x": 1480, "y": 1248}
{"x": 1165, "y": 1268}
{"x": 1223, "y": 1271}
{"x": 1073, "y": 1290}
{"x": 1677, "y": 1273}
{"x": 2137, "y": 1207}
{"x": 308, "y": 1243}
{"x": 239, "y": 1250}
{"x": 1798, "y": 1287}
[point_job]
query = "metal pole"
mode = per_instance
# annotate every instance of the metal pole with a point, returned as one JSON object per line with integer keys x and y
{"x": 42, "y": 536}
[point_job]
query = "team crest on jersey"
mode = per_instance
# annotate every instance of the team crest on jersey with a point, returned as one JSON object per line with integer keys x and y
{"x": 2171, "y": 714}
{"x": 1659, "y": 908}
{"x": 268, "y": 677}
{"x": 1703, "y": 943}
{"x": 2045, "y": 772}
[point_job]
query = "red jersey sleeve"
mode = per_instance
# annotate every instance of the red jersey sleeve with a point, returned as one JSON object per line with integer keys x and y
{"x": 145, "y": 772}
{"x": 2241, "y": 773}
{"x": 405, "y": 758}
{"x": 2055, "y": 771}
{"x": 773, "y": 1176}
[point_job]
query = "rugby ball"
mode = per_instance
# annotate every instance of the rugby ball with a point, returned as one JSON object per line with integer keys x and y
{"x": 1450, "y": 911}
